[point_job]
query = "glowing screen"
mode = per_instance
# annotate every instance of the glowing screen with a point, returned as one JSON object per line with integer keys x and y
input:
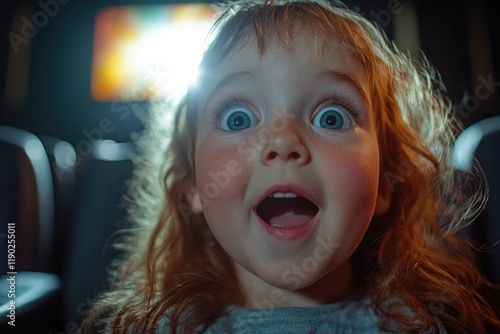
{"x": 147, "y": 51}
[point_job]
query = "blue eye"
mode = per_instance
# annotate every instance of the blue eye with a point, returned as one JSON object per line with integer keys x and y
{"x": 238, "y": 119}
{"x": 333, "y": 118}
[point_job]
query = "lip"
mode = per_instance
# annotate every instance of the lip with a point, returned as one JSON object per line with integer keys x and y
{"x": 284, "y": 189}
{"x": 287, "y": 233}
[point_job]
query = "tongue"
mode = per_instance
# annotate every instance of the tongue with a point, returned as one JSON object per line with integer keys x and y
{"x": 289, "y": 219}
{"x": 286, "y": 212}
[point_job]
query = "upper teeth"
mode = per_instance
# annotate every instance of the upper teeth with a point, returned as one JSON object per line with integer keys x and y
{"x": 284, "y": 195}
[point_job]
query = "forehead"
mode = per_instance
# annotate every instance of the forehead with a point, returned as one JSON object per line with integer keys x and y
{"x": 305, "y": 47}
{"x": 306, "y": 56}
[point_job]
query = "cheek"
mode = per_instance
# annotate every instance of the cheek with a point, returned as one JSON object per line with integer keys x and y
{"x": 353, "y": 178}
{"x": 220, "y": 174}
{"x": 361, "y": 174}
{"x": 221, "y": 179}
{"x": 351, "y": 182}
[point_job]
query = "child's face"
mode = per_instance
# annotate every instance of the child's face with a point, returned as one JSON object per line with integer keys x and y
{"x": 287, "y": 124}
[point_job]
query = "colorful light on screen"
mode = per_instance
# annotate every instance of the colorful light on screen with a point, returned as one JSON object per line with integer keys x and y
{"x": 147, "y": 51}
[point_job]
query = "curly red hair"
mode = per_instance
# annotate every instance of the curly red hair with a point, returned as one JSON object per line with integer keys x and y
{"x": 413, "y": 257}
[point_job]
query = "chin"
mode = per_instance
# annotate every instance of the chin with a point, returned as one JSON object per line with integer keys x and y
{"x": 290, "y": 279}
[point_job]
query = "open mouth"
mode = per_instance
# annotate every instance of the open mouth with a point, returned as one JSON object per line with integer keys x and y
{"x": 286, "y": 210}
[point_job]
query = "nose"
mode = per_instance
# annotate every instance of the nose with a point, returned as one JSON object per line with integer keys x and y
{"x": 286, "y": 146}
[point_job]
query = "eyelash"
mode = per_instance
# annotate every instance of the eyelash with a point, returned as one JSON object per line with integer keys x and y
{"x": 343, "y": 102}
{"x": 226, "y": 104}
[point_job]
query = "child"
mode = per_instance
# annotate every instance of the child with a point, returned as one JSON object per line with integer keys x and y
{"x": 306, "y": 189}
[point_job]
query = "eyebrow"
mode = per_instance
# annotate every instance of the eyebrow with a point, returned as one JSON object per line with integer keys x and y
{"x": 227, "y": 81}
{"x": 336, "y": 76}
{"x": 332, "y": 75}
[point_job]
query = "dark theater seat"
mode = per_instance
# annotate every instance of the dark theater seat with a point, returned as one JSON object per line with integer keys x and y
{"x": 98, "y": 212}
{"x": 27, "y": 222}
{"x": 482, "y": 142}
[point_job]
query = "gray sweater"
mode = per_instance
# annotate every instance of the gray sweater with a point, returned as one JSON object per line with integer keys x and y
{"x": 348, "y": 317}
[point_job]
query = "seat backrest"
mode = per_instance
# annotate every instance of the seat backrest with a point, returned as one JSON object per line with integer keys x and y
{"x": 482, "y": 141}
{"x": 98, "y": 213}
{"x": 26, "y": 200}
{"x": 63, "y": 162}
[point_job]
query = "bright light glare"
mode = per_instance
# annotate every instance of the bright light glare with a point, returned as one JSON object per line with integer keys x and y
{"x": 148, "y": 52}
